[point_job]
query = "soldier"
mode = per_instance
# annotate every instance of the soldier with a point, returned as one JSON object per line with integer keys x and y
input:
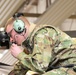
{"x": 47, "y": 50}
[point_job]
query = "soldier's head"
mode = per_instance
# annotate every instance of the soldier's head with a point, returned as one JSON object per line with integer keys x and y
{"x": 17, "y": 27}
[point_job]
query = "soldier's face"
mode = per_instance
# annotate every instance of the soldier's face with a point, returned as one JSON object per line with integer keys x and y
{"x": 16, "y": 37}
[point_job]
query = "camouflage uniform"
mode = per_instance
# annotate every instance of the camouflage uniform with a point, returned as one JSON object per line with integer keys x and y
{"x": 47, "y": 46}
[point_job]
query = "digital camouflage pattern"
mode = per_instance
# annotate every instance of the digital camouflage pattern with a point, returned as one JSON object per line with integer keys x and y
{"x": 47, "y": 45}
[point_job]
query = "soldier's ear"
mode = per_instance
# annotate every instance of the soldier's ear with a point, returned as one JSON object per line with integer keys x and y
{"x": 16, "y": 36}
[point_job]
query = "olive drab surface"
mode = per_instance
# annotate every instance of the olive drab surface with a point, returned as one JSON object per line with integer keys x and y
{"x": 47, "y": 46}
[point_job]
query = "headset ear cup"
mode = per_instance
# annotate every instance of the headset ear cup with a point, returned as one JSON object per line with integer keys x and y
{"x": 19, "y": 26}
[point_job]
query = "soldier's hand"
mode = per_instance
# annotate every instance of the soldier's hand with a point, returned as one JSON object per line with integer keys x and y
{"x": 15, "y": 50}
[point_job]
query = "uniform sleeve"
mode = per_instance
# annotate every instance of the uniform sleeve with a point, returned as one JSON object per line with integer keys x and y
{"x": 42, "y": 51}
{"x": 44, "y": 43}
